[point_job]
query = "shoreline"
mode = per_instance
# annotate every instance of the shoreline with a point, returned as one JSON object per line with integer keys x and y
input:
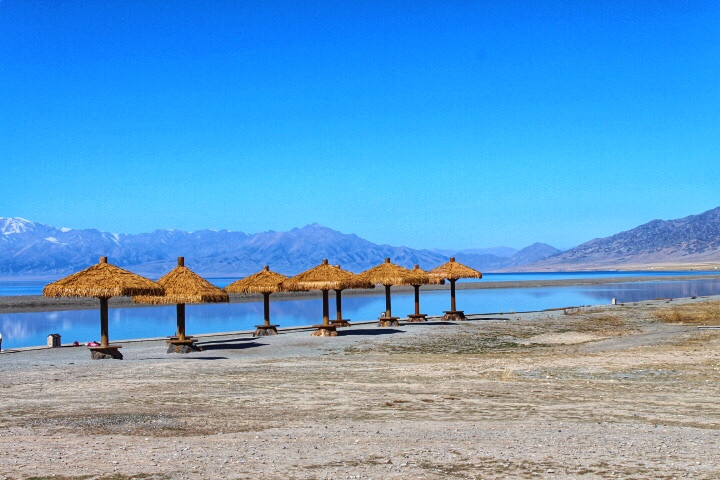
{"x": 39, "y": 303}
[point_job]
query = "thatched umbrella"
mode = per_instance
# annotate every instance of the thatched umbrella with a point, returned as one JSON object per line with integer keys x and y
{"x": 102, "y": 281}
{"x": 388, "y": 274}
{"x": 182, "y": 286}
{"x": 453, "y": 271}
{"x": 265, "y": 282}
{"x": 325, "y": 277}
{"x": 423, "y": 279}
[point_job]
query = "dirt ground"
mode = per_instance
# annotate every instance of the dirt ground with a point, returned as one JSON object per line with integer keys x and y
{"x": 626, "y": 391}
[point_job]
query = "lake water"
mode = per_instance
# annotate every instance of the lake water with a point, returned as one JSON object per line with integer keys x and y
{"x": 29, "y": 329}
{"x": 34, "y": 287}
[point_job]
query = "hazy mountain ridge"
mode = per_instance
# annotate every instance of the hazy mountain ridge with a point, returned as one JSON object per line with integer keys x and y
{"x": 33, "y": 249}
{"x": 36, "y": 250}
{"x": 489, "y": 262}
{"x": 692, "y": 239}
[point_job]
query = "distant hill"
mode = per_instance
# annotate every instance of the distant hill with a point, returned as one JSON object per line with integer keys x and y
{"x": 690, "y": 240}
{"x": 494, "y": 251}
{"x": 494, "y": 263}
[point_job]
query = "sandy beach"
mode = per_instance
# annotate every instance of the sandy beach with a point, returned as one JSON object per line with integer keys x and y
{"x": 624, "y": 391}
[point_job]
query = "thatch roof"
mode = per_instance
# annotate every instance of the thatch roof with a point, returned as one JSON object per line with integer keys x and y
{"x": 453, "y": 270}
{"x": 428, "y": 279}
{"x": 182, "y": 285}
{"x": 264, "y": 281}
{"x": 103, "y": 281}
{"x": 388, "y": 273}
{"x": 325, "y": 277}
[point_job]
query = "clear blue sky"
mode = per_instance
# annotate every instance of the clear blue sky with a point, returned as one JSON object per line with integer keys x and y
{"x": 429, "y": 124}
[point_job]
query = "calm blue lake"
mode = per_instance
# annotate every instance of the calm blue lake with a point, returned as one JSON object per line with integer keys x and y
{"x": 34, "y": 287}
{"x": 28, "y": 329}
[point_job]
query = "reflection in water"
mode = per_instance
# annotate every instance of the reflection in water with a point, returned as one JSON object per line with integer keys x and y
{"x": 26, "y": 329}
{"x": 34, "y": 287}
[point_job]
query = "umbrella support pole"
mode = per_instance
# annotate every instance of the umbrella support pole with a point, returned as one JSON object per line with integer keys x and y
{"x": 387, "y": 320}
{"x": 339, "y": 321}
{"x": 105, "y": 350}
{"x": 326, "y": 329}
{"x": 453, "y": 314}
{"x": 417, "y": 316}
{"x": 181, "y": 343}
{"x": 266, "y": 328}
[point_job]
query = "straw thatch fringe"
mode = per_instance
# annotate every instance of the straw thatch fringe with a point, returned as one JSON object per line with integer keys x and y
{"x": 325, "y": 277}
{"x": 182, "y": 285}
{"x": 388, "y": 273}
{"x": 430, "y": 279}
{"x": 103, "y": 281}
{"x": 453, "y": 270}
{"x": 264, "y": 281}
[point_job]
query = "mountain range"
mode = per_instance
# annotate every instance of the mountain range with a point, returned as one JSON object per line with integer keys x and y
{"x": 35, "y": 250}
{"x": 692, "y": 240}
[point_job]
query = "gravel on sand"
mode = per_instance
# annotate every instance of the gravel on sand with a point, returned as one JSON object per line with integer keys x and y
{"x": 598, "y": 392}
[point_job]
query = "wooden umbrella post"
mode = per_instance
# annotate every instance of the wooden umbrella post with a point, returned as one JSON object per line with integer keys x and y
{"x": 326, "y": 308}
{"x": 326, "y": 329}
{"x": 104, "y": 340}
{"x": 452, "y": 295}
{"x": 266, "y": 308}
{"x": 417, "y": 299}
{"x": 338, "y": 304}
{"x": 266, "y": 328}
{"x": 453, "y": 314}
{"x": 104, "y": 350}
{"x": 180, "y": 308}
{"x": 417, "y": 316}
{"x": 339, "y": 320}
{"x": 388, "y": 320}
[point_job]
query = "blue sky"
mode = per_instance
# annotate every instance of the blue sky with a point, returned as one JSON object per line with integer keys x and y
{"x": 427, "y": 124}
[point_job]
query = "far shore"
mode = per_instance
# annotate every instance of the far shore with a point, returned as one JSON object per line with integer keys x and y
{"x": 39, "y": 303}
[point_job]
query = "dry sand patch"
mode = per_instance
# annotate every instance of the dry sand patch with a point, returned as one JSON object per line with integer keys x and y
{"x": 481, "y": 399}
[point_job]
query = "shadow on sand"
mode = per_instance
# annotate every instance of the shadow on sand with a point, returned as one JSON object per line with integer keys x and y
{"x": 431, "y": 322}
{"x": 229, "y": 345}
{"x": 368, "y": 331}
{"x": 227, "y": 340}
{"x": 497, "y": 319}
{"x": 203, "y": 358}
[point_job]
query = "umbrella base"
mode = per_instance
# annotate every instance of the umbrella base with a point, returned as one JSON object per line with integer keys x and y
{"x": 325, "y": 331}
{"x": 108, "y": 352}
{"x": 175, "y": 345}
{"x": 417, "y": 317}
{"x": 453, "y": 315}
{"x": 343, "y": 322}
{"x": 265, "y": 330}
{"x": 173, "y": 338}
{"x": 389, "y": 322}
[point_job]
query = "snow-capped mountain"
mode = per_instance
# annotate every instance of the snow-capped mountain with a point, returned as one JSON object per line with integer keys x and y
{"x": 31, "y": 249}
